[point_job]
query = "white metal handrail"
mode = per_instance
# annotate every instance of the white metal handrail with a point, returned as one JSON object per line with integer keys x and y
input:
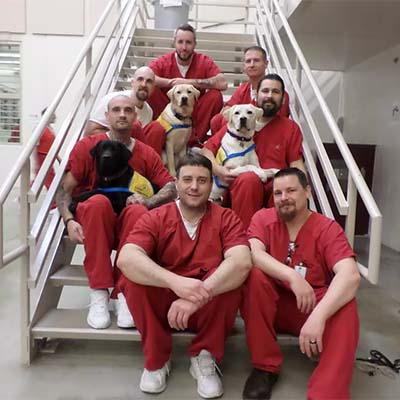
{"x": 116, "y": 45}
{"x": 270, "y": 9}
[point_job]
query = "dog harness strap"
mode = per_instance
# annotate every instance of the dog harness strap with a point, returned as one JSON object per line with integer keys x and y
{"x": 240, "y": 138}
{"x": 223, "y": 156}
{"x": 114, "y": 190}
{"x": 218, "y": 184}
{"x": 170, "y": 127}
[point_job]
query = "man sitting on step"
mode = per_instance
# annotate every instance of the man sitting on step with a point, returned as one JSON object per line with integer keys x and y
{"x": 278, "y": 143}
{"x": 95, "y": 223}
{"x": 184, "y": 65}
{"x": 303, "y": 283}
{"x": 183, "y": 266}
{"x": 254, "y": 66}
{"x": 142, "y": 85}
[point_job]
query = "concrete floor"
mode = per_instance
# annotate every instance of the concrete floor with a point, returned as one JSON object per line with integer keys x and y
{"x": 88, "y": 370}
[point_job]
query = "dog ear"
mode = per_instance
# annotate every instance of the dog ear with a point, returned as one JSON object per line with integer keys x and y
{"x": 171, "y": 92}
{"x": 126, "y": 155}
{"x": 227, "y": 113}
{"x": 196, "y": 92}
{"x": 93, "y": 150}
{"x": 259, "y": 112}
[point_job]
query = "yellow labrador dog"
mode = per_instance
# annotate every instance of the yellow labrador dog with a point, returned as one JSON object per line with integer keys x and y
{"x": 176, "y": 119}
{"x": 238, "y": 148}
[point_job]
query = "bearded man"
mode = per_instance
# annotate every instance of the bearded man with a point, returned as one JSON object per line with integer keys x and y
{"x": 278, "y": 143}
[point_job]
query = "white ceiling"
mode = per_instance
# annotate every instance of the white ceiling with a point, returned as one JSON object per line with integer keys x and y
{"x": 337, "y": 34}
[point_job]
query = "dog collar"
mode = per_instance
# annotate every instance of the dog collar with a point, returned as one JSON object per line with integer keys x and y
{"x": 240, "y": 138}
{"x": 115, "y": 176}
{"x": 181, "y": 117}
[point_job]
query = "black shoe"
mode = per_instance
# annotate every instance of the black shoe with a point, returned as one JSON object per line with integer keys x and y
{"x": 259, "y": 384}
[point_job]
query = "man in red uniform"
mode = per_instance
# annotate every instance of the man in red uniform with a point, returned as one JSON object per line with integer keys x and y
{"x": 184, "y": 65}
{"x": 278, "y": 145}
{"x": 95, "y": 224}
{"x": 254, "y": 66}
{"x": 183, "y": 267}
{"x": 43, "y": 147}
{"x": 303, "y": 283}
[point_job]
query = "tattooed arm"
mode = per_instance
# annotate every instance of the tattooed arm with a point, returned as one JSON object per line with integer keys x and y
{"x": 63, "y": 199}
{"x": 215, "y": 82}
{"x": 166, "y": 194}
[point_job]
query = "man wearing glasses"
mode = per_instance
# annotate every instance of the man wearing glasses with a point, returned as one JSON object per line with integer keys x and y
{"x": 304, "y": 284}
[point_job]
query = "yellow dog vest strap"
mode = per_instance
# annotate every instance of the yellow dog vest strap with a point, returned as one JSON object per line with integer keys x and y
{"x": 168, "y": 127}
{"x": 140, "y": 184}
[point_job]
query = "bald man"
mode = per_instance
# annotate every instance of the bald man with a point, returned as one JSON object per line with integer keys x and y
{"x": 143, "y": 84}
{"x": 95, "y": 224}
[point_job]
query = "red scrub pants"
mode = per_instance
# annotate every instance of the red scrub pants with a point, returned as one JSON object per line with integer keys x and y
{"x": 104, "y": 231}
{"x": 149, "y": 307}
{"x": 269, "y": 308}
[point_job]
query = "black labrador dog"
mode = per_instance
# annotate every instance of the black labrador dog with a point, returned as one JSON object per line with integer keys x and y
{"x": 113, "y": 174}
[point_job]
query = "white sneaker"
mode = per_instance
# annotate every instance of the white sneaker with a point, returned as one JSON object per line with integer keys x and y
{"x": 99, "y": 315}
{"x": 204, "y": 369}
{"x": 155, "y": 381}
{"x": 124, "y": 317}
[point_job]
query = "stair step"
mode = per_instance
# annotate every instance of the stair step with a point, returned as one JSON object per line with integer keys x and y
{"x": 200, "y": 35}
{"x": 225, "y": 66}
{"x": 70, "y": 275}
{"x": 227, "y": 45}
{"x": 216, "y": 55}
{"x": 71, "y": 324}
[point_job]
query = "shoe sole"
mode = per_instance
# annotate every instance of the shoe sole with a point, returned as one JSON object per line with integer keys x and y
{"x": 98, "y": 327}
{"x": 125, "y": 326}
{"x": 154, "y": 391}
{"x": 205, "y": 396}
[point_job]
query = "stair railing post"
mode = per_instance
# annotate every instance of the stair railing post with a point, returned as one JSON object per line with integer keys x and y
{"x": 26, "y": 343}
{"x": 246, "y": 16}
{"x": 351, "y": 215}
{"x": 298, "y": 79}
{"x": 196, "y": 15}
{"x": 89, "y": 63}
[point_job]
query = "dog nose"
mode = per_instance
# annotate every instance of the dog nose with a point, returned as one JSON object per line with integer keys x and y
{"x": 243, "y": 121}
{"x": 184, "y": 100}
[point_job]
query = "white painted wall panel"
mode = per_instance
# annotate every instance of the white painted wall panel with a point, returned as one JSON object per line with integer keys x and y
{"x": 56, "y": 17}
{"x": 372, "y": 88}
{"x": 12, "y": 16}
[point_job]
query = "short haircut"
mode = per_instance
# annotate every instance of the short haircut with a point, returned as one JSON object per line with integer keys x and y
{"x": 272, "y": 77}
{"x": 187, "y": 28}
{"x": 116, "y": 97}
{"x": 301, "y": 176}
{"x": 194, "y": 159}
{"x": 257, "y": 48}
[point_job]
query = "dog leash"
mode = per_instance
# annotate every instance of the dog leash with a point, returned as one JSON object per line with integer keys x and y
{"x": 114, "y": 190}
{"x": 376, "y": 363}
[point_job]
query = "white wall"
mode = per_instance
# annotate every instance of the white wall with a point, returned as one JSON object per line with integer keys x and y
{"x": 372, "y": 88}
{"x": 51, "y": 37}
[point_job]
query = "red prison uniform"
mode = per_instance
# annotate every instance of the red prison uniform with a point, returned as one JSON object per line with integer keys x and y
{"x": 209, "y": 104}
{"x": 277, "y": 145}
{"x": 42, "y": 149}
{"x": 162, "y": 234}
{"x": 242, "y": 95}
{"x": 102, "y": 228}
{"x": 270, "y": 306}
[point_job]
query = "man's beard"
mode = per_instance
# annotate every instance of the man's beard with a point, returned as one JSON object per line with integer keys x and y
{"x": 142, "y": 95}
{"x": 184, "y": 58}
{"x": 287, "y": 216}
{"x": 270, "y": 112}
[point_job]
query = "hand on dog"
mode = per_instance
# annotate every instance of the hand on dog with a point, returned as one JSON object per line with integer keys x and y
{"x": 180, "y": 312}
{"x": 190, "y": 289}
{"x": 75, "y": 232}
{"x": 135, "y": 198}
{"x": 225, "y": 174}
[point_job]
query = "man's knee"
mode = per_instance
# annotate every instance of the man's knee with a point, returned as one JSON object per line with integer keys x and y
{"x": 248, "y": 181}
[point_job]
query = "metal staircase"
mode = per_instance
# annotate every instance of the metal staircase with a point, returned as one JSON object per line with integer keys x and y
{"x": 226, "y": 49}
{"x": 47, "y": 261}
